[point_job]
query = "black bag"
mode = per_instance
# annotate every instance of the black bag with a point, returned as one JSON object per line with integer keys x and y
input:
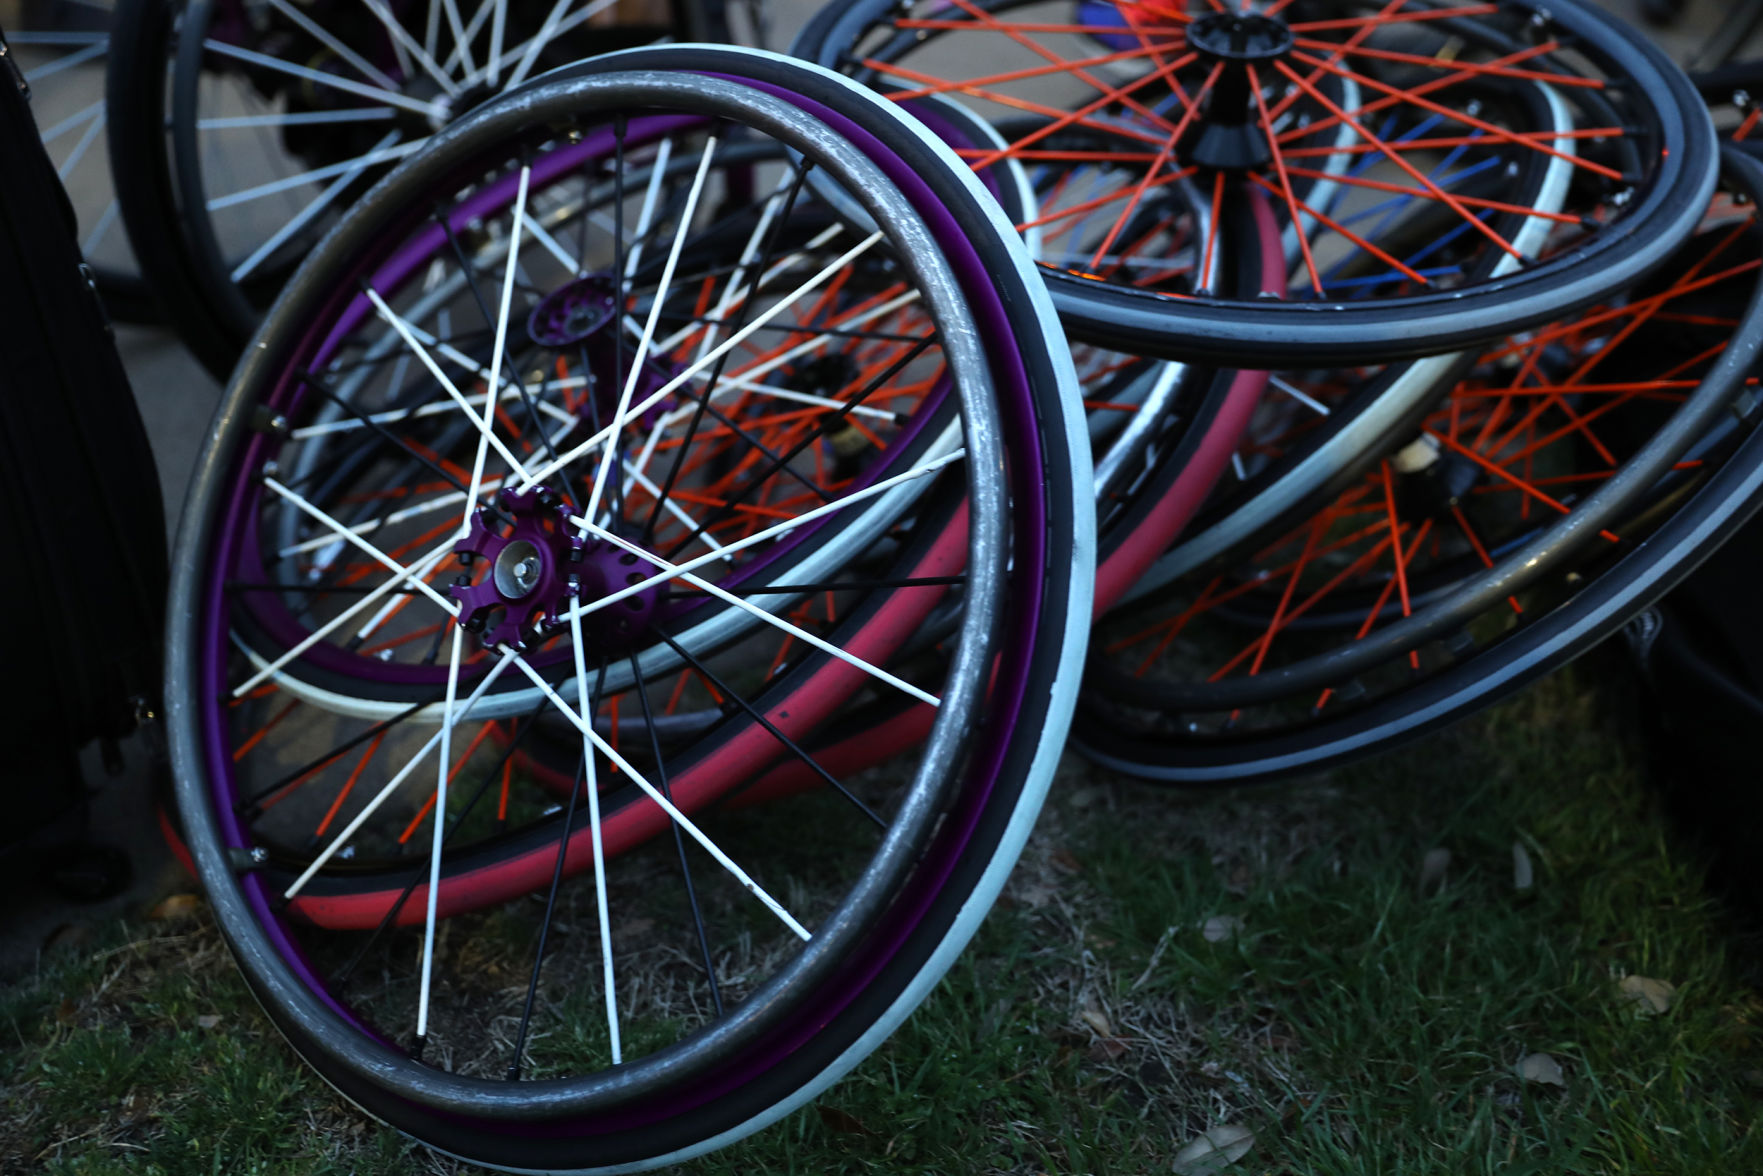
{"x": 1700, "y": 656}
{"x": 81, "y": 520}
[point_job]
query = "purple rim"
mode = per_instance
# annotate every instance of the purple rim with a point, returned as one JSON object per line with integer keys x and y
{"x": 1023, "y": 444}
{"x": 287, "y": 630}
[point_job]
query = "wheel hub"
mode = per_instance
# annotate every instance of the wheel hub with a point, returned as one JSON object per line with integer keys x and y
{"x": 539, "y": 568}
{"x": 580, "y": 317}
{"x": 1241, "y": 38}
{"x": 1231, "y": 137}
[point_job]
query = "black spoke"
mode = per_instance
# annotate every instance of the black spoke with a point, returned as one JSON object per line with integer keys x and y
{"x": 532, "y": 988}
{"x": 824, "y": 586}
{"x": 679, "y": 840}
{"x": 251, "y": 808}
{"x": 420, "y": 874}
{"x": 788, "y": 743}
{"x": 470, "y": 272}
{"x": 746, "y": 309}
{"x": 727, "y": 509}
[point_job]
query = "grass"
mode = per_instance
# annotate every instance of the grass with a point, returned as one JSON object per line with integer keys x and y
{"x": 1277, "y": 959}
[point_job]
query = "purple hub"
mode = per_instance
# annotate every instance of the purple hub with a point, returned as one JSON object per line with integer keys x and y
{"x": 535, "y": 567}
{"x": 579, "y": 317}
{"x": 607, "y": 569}
{"x": 531, "y": 552}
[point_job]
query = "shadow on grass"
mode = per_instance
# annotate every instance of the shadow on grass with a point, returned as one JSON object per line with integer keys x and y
{"x": 1161, "y": 964}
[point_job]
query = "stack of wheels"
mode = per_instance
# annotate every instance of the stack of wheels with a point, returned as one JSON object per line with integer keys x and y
{"x": 1505, "y": 396}
{"x": 684, "y": 408}
{"x": 241, "y": 132}
{"x": 60, "y": 49}
{"x": 694, "y": 427}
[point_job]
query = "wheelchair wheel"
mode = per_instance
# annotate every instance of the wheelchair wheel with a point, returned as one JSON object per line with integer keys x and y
{"x": 796, "y": 951}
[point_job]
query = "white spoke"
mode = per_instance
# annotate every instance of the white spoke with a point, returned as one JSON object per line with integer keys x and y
{"x": 302, "y": 119}
{"x": 744, "y": 384}
{"x": 538, "y": 42}
{"x": 646, "y": 214}
{"x": 90, "y": 245}
{"x": 450, "y": 607}
{"x": 406, "y": 47}
{"x": 440, "y": 819}
{"x": 461, "y": 39}
{"x": 673, "y": 508}
{"x": 593, "y": 786}
{"x": 659, "y": 299}
{"x": 721, "y": 349}
{"x": 434, "y": 408}
{"x": 80, "y": 148}
{"x": 372, "y": 806}
{"x": 487, "y": 424}
{"x": 304, "y": 217}
{"x": 428, "y": 361}
{"x": 462, "y": 45}
{"x": 759, "y": 370}
{"x": 685, "y": 824}
{"x": 427, "y": 109}
{"x": 317, "y": 173}
{"x": 737, "y": 296}
{"x": 551, "y": 246}
{"x": 362, "y": 66}
{"x": 749, "y": 253}
{"x": 441, "y": 502}
{"x": 73, "y": 120}
{"x": 389, "y": 609}
{"x": 771, "y": 619}
{"x": 769, "y": 533}
{"x": 95, "y": 49}
{"x": 551, "y": 30}
{"x": 421, "y": 568}
{"x": 509, "y": 56}
{"x": 1299, "y": 395}
{"x": 498, "y": 27}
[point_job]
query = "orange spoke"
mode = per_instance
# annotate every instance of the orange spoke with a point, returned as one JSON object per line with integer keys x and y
{"x": 1285, "y": 181}
{"x": 1420, "y": 59}
{"x": 1508, "y": 477}
{"x": 1396, "y": 158}
{"x": 244, "y": 748}
{"x": 1412, "y": 97}
{"x": 1316, "y": 26}
{"x": 1150, "y": 173}
{"x": 1480, "y": 551}
{"x": 1350, "y": 235}
{"x": 349, "y": 784}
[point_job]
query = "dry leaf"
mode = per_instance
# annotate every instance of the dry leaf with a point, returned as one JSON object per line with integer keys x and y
{"x": 1649, "y": 996}
{"x": 1220, "y": 927}
{"x": 207, "y": 1021}
{"x": 1096, "y": 1019}
{"x": 1214, "y": 1150}
{"x": 1433, "y": 867}
{"x": 842, "y": 1122}
{"x": 1523, "y": 876}
{"x": 1065, "y": 860}
{"x": 66, "y": 1012}
{"x": 178, "y": 906}
{"x": 66, "y": 937}
{"x": 1540, "y": 1067}
{"x": 1107, "y": 1049}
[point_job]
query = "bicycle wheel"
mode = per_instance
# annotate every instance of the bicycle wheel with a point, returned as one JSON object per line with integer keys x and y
{"x": 242, "y": 136}
{"x": 751, "y": 1035}
{"x": 60, "y": 49}
{"x": 1177, "y": 92}
{"x": 1569, "y": 478}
